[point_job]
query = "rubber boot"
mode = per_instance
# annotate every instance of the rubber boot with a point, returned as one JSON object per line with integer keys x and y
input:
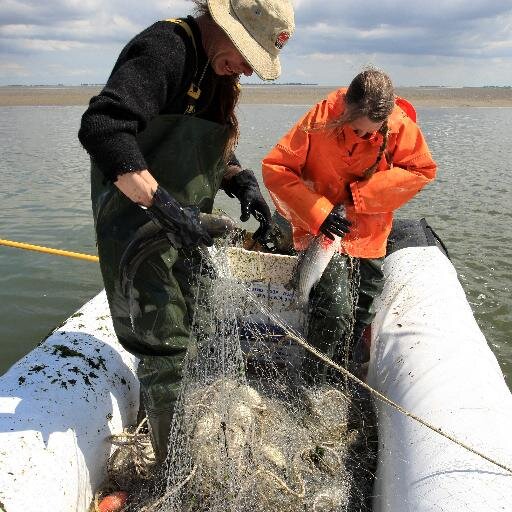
{"x": 160, "y": 378}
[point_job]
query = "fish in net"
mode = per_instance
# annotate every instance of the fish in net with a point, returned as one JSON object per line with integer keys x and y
{"x": 251, "y": 430}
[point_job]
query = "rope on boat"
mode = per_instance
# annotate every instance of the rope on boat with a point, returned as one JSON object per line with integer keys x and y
{"x": 171, "y": 492}
{"x": 49, "y": 250}
{"x": 379, "y": 396}
{"x": 138, "y": 442}
{"x": 216, "y": 225}
{"x": 135, "y": 444}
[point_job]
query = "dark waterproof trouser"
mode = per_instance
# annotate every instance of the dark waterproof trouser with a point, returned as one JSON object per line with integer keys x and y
{"x": 184, "y": 154}
{"x": 341, "y": 305}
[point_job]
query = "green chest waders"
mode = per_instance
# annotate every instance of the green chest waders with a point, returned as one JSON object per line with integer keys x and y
{"x": 184, "y": 154}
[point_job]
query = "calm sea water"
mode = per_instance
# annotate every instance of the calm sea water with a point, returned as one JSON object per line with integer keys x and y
{"x": 44, "y": 191}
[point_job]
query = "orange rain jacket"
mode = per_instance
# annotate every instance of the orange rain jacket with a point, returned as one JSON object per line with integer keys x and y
{"x": 311, "y": 170}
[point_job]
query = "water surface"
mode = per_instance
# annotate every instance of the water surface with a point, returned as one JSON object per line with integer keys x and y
{"x": 45, "y": 201}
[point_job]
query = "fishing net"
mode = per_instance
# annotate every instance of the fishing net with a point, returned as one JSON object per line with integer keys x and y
{"x": 252, "y": 430}
{"x": 255, "y": 429}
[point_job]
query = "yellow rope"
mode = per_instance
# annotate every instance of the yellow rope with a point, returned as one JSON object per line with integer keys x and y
{"x": 49, "y": 250}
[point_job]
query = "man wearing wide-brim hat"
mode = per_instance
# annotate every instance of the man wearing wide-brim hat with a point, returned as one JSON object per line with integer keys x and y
{"x": 161, "y": 136}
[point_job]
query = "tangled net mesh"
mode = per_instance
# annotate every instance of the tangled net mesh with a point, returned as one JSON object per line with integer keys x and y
{"x": 252, "y": 430}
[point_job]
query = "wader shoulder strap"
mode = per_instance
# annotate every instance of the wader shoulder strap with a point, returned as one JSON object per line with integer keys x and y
{"x": 186, "y": 27}
{"x": 194, "y": 92}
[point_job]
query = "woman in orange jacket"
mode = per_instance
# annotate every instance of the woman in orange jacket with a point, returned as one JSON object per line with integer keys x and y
{"x": 342, "y": 170}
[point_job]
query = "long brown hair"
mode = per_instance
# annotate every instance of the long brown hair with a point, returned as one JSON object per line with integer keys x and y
{"x": 370, "y": 94}
{"x": 227, "y": 93}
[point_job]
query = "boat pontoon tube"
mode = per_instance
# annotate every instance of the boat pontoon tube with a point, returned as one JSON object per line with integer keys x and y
{"x": 58, "y": 407}
{"x": 429, "y": 355}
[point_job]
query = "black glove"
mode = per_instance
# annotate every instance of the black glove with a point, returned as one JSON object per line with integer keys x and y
{"x": 336, "y": 223}
{"x": 181, "y": 223}
{"x": 245, "y": 188}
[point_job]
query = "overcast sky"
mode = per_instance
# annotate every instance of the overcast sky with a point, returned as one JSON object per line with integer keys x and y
{"x": 419, "y": 42}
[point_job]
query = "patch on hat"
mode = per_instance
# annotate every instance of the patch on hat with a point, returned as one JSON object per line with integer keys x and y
{"x": 281, "y": 40}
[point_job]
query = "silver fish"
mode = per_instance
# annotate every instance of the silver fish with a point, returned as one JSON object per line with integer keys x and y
{"x": 311, "y": 266}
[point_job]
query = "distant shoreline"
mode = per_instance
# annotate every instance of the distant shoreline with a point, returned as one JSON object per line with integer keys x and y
{"x": 277, "y": 94}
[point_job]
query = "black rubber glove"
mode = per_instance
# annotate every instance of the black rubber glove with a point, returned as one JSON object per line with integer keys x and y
{"x": 181, "y": 223}
{"x": 336, "y": 223}
{"x": 245, "y": 188}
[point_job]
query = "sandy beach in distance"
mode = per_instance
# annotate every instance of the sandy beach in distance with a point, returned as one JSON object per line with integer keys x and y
{"x": 271, "y": 94}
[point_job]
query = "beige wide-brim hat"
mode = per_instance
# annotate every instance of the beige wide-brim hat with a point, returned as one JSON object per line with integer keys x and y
{"x": 258, "y": 29}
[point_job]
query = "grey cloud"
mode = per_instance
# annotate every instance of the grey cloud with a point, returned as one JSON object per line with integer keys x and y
{"x": 63, "y": 32}
{"x": 37, "y": 12}
{"x": 455, "y": 29}
{"x": 397, "y": 13}
{"x": 53, "y": 20}
{"x": 436, "y": 30}
{"x": 151, "y": 11}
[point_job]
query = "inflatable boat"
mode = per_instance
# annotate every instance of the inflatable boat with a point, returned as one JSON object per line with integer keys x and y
{"x": 61, "y": 402}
